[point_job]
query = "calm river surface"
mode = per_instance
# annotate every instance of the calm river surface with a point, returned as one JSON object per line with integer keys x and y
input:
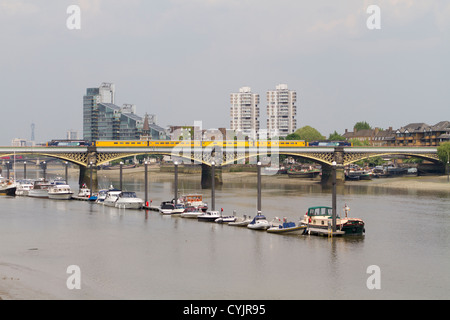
{"x": 126, "y": 254}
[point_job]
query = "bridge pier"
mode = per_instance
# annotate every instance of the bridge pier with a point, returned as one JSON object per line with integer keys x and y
{"x": 206, "y": 176}
{"x": 327, "y": 175}
{"x": 85, "y": 178}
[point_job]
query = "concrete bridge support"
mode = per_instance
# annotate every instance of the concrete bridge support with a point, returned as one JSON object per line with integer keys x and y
{"x": 85, "y": 178}
{"x": 327, "y": 175}
{"x": 207, "y": 176}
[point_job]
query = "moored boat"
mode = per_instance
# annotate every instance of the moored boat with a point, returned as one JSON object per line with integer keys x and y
{"x": 241, "y": 221}
{"x": 24, "y": 187}
{"x": 320, "y": 217}
{"x": 191, "y": 212}
{"x": 59, "y": 190}
{"x": 128, "y": 200}
{"x": 40, "y": 189}
{"x": 111, "y": 198}
{"x": 279, "y": 226}
{"x": 259, "y": 222}
{"x": 209, "y": 216}
{"x": 7, "y": 187}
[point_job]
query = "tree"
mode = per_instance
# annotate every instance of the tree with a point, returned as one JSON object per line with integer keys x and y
{"x": 335, "y": 137}
{"x": 308, "y": 134}
{"x": 362, "y": 125}
{"x": 293, "y": 136}
{"x": 444, "y": 151}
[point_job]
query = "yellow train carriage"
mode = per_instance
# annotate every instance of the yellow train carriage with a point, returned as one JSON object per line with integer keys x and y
{"x": 204, "y": 144}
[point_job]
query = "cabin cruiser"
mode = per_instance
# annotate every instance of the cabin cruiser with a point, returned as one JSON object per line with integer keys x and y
{"x": 129, "y": 200}
{"x": 60, "y": 190}
{"x": 166, "y": 207}
{"x": 23, "y": 187}
{"x": 40, "y": 189}
{"x": 209, "y": 216}
{"x": 191, "y": 212}
{"x": 7, "y": 187}
{"x": 320, "y": 217}
{"x": 111, "y": 198}
{"x": 178, "y": 209}
{"x": 259, "y": 222}
{"x": 101, "y": 195}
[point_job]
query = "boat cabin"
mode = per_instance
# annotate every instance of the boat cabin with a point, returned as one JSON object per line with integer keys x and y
{"x": 320, "y": 211}
{"x": 127, "y": 194}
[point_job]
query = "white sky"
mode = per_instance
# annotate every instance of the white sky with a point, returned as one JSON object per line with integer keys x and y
{"x": 181, "y": 59}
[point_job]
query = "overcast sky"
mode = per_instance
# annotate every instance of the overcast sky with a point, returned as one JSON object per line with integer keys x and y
{"x": 181, "y": 59}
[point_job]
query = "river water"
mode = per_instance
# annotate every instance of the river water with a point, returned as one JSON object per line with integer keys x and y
{"x": 127, "y": 254}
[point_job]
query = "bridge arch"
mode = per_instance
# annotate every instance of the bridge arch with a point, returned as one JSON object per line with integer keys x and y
{"x": 81, "y": 161}
{"x": 351, "y": 158}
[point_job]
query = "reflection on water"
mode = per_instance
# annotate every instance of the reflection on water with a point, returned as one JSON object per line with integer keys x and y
{"x": 144, "y": 255}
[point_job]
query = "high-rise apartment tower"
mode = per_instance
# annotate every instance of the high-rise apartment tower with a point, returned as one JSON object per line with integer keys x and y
{"x": 281, "y": 111}
{"x": 244, "y": 112}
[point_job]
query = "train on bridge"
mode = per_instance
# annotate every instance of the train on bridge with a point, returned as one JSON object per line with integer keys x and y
{"x": 199, "y": 143}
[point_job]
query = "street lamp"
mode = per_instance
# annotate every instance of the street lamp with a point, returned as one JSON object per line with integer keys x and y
{"x": 333, "y": 165}
{"x": 175, "y": 188}
{"x": 213, "y": 195}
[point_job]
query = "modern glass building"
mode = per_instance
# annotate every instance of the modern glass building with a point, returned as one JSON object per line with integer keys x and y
{"x": 104, "y": 120}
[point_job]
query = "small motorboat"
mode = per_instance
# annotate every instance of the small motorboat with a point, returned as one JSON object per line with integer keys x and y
{"x": 209, "y": 216}
{"x": 111, "y": 198}
{"x": 191, "y": 212}
{"x": 85, "y": 193}
{"x": 101, "y": 195}
{"x": 225, "y": 219}
{"x": 259, "y": 222}
{"x": 241, "y": 221}
{"x": 129, "y": 200}
{"x": 166, "y": 207}
{"x": 24, "y": 187}
{"x": 178, "y": 210}
{"x": 279, "y": 226}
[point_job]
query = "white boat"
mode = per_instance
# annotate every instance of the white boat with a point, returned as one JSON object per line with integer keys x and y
{"x": 101, "y": 195}
{"x": 129, "y": 200}
{"x": 40, "y": 189}
{"x": 23, "y": 187}
{"x": 241, "y": 221}
{"x": 209, "y": 216}
{"x": 60, "y": 190}
{"x": 191, "y": 212}
{"x": 279, "y": 226}
{"x": 111, "y": 198}
{"x": 7, "y": 187}
{"x": 225, "y": 219}
{"x": 178, "y": 210}
{"x": 259, "y": 222}
{"x": 166, "y": 207}
{"x": 84, "y": 192}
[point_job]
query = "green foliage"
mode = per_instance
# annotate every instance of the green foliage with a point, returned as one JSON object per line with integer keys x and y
{"x": 308, "y": 134}
{"x": 359, "y": 143}
{"x": 362, "y": 125}
{"x": 444, "y": 151}
{"x": 335, "y": 137}
{"x": 293, "y": 136}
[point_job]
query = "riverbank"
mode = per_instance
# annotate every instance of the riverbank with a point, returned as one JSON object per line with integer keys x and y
{"x": 428, "y": 183}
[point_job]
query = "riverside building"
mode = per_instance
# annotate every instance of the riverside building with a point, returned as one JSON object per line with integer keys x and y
{"x": 281, "y": 111}
{"x": 104, "y": 120}
{"x": 244, "y": 112}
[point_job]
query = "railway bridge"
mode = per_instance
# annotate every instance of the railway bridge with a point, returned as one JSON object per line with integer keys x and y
{"x": 219, "y": 156}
